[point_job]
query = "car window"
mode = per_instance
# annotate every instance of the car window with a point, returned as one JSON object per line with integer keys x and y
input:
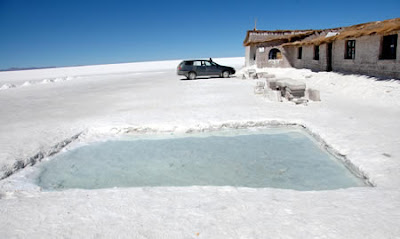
{"x": 207, "y": 63}
{"x": 189, "y": 63}
{"x": 197, "y": 63}
{"x": 213, "y": 63}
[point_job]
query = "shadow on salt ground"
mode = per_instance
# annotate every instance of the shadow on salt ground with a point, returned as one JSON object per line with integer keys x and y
{"x": 376, "y": 78}
{"x": 205, "y": 78}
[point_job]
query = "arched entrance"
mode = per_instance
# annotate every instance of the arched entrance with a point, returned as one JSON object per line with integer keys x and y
{"x": 274, "y": 54}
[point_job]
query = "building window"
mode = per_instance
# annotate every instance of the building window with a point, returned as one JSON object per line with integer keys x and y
{"x": 300, "y": 53}
{"x": 389, "y": 47}
{"x": 350, "y": 49}
{"x": 274, "y": 54}
{"x": 316, "y": 52}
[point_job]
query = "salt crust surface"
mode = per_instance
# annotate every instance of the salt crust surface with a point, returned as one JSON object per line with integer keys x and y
{"x": 358, "y": 117}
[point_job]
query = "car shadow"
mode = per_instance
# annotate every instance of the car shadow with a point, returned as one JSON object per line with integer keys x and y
{"x": 205, "y": 78}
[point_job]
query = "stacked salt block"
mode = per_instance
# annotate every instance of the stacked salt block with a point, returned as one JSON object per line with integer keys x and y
{"x": 260, "y": 83}
{"x": 297, "y": 93}
{"x": 291, "y": 88}
{"x": 313, "y": 95}
{"x": 271, "y": 84}
{"x": 270, "y": 91}
{"x": 268, "y": 76}
{"x": 273, "y": 95}
{"x": 260, "y": 74}
{"x": 247, "y": 74}
{"x": 259, "y": 88}
{"x": 265, "y": 75}
{"x": 298, "y": 101}
{"x": 252, "y": 73}
{"x": 241, "y": 76}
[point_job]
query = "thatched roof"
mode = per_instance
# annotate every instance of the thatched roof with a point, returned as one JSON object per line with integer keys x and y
{"x": 386, "y": 27}
{"x": 257, "y": 36}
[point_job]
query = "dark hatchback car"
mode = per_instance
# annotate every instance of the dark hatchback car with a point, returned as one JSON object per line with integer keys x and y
{"x": 193, "y": 68}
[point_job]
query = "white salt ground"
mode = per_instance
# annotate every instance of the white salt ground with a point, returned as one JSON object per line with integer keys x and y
{"x": 358, "y": 117}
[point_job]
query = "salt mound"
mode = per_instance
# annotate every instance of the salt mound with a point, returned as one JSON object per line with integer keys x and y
{"x": 27, "y": 83}
{"x": 7, "y": 86}
{"x": 59, "y": 79}
{"x": 46, "y": 81}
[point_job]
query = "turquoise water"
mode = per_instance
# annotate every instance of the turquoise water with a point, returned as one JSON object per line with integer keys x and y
{"x": 287, "y": 159}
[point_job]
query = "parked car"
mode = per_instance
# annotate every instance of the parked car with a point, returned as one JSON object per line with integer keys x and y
{"x": 193, "y": 68}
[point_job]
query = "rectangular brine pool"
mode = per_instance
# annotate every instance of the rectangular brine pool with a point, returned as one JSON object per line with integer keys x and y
{"x": 257, "y": 158}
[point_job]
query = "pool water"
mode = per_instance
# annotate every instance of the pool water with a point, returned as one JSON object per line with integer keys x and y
{"x": 288, "y": 159}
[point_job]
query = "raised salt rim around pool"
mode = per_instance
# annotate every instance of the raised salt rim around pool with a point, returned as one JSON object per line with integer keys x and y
{"x": 275, "y": 157}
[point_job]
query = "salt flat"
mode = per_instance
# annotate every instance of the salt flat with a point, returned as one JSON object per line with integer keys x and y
{"x": 358, "y": 117}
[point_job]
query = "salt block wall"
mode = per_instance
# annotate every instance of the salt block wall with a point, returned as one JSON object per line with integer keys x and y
{"x": 307, "y": 60}
{"x": 366, "y": 60}
{"x": 368, "y": 49}
{"x": 263, "y": 57}
{"x": 250, "y": 51}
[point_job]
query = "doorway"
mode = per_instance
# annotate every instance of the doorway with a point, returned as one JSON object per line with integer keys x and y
{"x": 329, "y": 57}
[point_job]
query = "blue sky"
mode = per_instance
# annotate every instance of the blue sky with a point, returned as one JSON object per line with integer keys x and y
{"x": 72, "y": 32}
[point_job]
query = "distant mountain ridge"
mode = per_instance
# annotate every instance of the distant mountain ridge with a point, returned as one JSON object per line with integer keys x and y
{"x": 26, "y": 68}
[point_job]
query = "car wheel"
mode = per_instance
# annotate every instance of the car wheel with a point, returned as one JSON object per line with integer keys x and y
{"x": 225, "y": 74}
{"x": 192, "y": 75}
